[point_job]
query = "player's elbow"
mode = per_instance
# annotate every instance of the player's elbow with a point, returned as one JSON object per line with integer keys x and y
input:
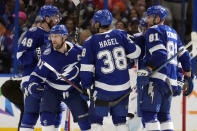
{"x": 135, "y": 54}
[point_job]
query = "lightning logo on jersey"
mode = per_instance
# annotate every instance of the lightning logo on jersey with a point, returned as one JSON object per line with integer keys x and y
{"x": 151, "y": 91}
{"x": 70, "y": 71}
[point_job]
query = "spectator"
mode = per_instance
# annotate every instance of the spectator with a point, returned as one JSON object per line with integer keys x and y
{"x": 22, "y": 22}
{"x": 140, "y": 6}
{"x": 133, "y": 26}
{"x": 6, "y": 48}
{"x": 118, "y": 10}
{"x": 49, "y": 2}
{"x": 132, "y": 14}
{"x": 84, "y": 35}
{"x": 69, "y": 23}
{"x": 120, "y": 25}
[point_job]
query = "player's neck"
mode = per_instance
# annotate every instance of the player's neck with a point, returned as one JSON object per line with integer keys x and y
{"x": 101, "y": 30}
{"x": 64, "y": 48}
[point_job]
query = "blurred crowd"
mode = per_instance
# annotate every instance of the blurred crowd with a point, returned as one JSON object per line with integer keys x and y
{"x": 126, "y": 13}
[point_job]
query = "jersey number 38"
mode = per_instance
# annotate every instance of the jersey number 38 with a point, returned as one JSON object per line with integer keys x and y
{"x": 115, "y": 59}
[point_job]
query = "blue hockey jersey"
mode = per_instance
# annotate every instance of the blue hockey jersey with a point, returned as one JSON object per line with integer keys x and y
{"x": 162, "y": 42}
{"x": 139, "y": 39}
{"x": 104, "y": 61}
{"x": 33, "y": 43}
{"x": 54, "y": 63}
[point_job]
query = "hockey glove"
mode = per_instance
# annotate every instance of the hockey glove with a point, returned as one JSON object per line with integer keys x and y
{"x": 143, "y": 78}
{"x": 35, "y": 90}
{"x": 177, "y": 91}
{"x": 189, "y": 85}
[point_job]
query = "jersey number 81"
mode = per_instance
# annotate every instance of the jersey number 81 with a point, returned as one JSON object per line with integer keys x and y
{"x": 113, "y": 59}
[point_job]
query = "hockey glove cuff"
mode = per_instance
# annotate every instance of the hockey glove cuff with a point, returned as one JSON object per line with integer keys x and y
{"x": 143, "y": 77}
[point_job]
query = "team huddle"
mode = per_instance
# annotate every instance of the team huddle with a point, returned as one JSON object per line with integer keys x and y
{"x": 100, "y": 68}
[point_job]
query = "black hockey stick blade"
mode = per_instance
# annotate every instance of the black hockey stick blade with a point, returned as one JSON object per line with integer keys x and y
{"x": 116, "y": 101}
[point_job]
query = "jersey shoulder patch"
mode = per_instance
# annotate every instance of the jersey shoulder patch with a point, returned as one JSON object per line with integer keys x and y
{"x": 47, "y": 51}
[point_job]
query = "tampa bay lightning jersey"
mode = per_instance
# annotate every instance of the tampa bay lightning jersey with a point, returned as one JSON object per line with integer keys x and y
{"x": 54, "y": 63}
{"x": 139, "y": 39}
{"x": 104, "y": 61}
{"x": 162, "y": 43}
{"x": 35, "y": 41}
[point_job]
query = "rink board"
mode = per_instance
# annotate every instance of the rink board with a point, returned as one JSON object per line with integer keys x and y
{"x": 9, "y": 114}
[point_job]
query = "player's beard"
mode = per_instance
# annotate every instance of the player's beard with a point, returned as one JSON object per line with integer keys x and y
{"x": 59, "y": 46}
{"x": 50, "y": 24}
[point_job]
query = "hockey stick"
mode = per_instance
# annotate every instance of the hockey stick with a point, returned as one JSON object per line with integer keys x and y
{"x": 65, "y": 79}
{"x": 77, "y": 4}
{"x": 193, "y": 53}
{"x": 116, "y": 101}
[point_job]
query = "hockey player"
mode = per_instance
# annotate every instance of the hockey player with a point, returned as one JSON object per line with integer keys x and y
{"x": 134, "y": 120}
{"x": 62, "y": 59}
{"x": 104, "y": 66}
{"x": 162, "y": 42}
{"x": 34, "y": 41}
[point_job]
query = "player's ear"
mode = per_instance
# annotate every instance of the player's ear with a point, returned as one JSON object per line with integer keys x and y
{"x": 97, "y": 25}
{"x": 47, "y": 19}
{"x": 158, "y": 19}
{"x": 65, "y": 37}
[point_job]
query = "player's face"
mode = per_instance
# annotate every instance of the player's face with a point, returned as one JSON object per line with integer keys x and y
{"x": 55, "y": 20}
{"x": 57, "y": 40}
{"x": 150, "y": 20}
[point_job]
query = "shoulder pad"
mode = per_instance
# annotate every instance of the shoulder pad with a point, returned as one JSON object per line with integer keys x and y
{"x": 154, "y": 26}
{"x": 33, "y": 29}
{"x": 78, "y": 46}
{"x": 137, "y": 34}
{"x": 88, "y": 38}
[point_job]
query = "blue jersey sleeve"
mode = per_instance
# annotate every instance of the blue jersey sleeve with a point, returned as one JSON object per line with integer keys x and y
{"x": 132, "y": 50}
{"x": 156, "y": 47}
{"x": 33, "y": 38}
{"x": 139, "y": 39}
{"x": 40, "y": 73}
{"x": 87, "y": 65}
{"x": 184, "y": 57}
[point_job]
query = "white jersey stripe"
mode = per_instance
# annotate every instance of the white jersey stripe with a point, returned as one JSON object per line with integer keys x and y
{"x": 163, "y": 77}
{"x": 112, "y": 88}
{"x": 157, "y": 47}
{"x": 58, "y": 87}
{"x": 87, "y": 67}
{"x": 135, "y": 54}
